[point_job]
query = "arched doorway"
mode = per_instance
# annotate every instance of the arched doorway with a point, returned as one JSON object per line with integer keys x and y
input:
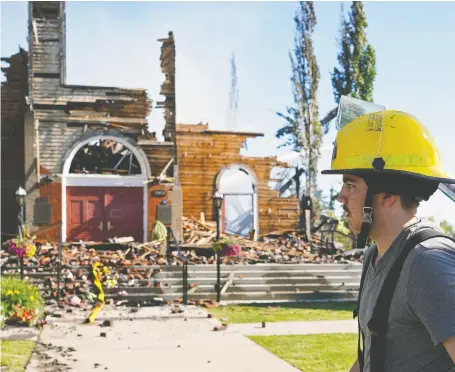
{"x": 104, "y": 193}
{"x": 238, "y": 184}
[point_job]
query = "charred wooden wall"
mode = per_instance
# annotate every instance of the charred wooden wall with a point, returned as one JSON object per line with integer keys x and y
{"x": 204, "y": 153}
{"x": 13, "y": 108}
{"x": 158, "y": 155}
{"x": 65, "y": 112}
{"x": 168, "y": 86}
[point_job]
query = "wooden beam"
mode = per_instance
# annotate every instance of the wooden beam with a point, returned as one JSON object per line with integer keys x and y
{"x": 163, "y": 172}
{"x": 228, "y": 282}
{"x": 194, "y": 289}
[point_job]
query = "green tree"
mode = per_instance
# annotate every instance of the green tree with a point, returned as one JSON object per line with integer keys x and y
{"x": 448, "y": 228}
{"x": 302, "y": 127}
{"x": 432, "y": 220}
{"x": 344, "y": 236}
{"x": 444, "y": 225}
{"x": 332, "y": 198}
{"x": 356, "y": 72}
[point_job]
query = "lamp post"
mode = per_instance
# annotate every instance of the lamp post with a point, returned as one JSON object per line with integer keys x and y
{"x": 20, "y": 198}
{"x": 218, "y": 198}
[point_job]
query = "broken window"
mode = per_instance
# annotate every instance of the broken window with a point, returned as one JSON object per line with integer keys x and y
{"x": 237, "y": 187}
{"x": 284, "y": 180}
{"x": 46, "y": 9}
{"x": 105, "y": 156}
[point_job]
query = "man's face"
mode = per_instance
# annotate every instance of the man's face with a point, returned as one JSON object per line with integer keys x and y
{"x": 352, "y": 195}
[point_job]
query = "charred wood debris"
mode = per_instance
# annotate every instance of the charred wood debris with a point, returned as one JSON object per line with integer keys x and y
{"x": 133, "y": 264}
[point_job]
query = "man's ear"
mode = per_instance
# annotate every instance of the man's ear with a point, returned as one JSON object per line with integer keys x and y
{"x": 387, "y": 199}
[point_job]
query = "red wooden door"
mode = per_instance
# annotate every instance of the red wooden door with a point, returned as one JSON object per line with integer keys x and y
{"x": 99, "y": 213}
{"x": 124, "y": 212}
{"x": 85, "y": 209}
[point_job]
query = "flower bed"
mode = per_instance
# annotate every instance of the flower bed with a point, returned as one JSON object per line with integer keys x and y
{"x": 21, "y": 302}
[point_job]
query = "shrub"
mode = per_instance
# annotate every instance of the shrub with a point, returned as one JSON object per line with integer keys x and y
{"x": 21, "y": 301}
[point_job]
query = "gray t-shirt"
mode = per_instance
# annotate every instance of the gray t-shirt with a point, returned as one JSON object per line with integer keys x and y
{"x": 422, "y": 312}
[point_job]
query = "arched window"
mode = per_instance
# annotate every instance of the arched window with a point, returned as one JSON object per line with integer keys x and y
{"x": 105, "y": 156}
{"x": 238, "y": 183}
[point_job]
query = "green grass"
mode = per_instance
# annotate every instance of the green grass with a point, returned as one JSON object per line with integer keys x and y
{"x": 16, "y": 354}
{"x": 283, "y": 312}
{"x": 313, "y": 353}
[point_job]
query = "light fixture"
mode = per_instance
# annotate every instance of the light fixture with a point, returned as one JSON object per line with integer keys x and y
{"x": 20, "y": 195}
{"x": 218, "y": 197}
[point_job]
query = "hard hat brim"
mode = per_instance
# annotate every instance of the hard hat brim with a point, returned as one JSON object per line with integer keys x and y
{"x": 361, "y": 172}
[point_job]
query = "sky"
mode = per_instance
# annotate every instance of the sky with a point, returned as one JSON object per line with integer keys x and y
{"x": 116, "y": 44}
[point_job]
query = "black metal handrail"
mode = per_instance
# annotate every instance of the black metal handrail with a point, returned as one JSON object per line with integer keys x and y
{"x": 170, "y": 233}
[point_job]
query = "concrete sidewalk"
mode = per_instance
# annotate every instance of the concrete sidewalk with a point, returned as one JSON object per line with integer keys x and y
{"x": 184, "y": 343}
{"x": 155, "y": 339}
{"x": 20, "y": 333}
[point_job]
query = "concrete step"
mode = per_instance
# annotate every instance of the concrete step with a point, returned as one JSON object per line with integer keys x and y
{"x": 276, "y": 273}
{"x": 296, "y": 279}
{"x": 292, "y": 287}
{"x": 256, "y": 267}
{"x": 240, "y": 288}
{"x": 212, "y": 267}
{"x": 258, "y": 275}
{"x": 248, "y": 281}
{"x": 248, "y": 296}
{"x": 258, "y": 282}
{"x": 272, "y": 267}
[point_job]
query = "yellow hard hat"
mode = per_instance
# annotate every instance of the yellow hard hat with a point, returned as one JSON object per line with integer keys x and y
{"x": 387, "y": 142}
{"x": 391, "y": 150}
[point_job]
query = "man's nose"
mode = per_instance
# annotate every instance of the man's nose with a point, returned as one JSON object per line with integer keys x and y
{"x": 341, "y": 197}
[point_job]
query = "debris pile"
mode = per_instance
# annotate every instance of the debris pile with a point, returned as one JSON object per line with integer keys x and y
{"x": 136, "y": 265}
{"x": 198, "y": 232}
{"x": 127, "y": 257}
{"x": 130, "y": 267}
{"x": 274, "y": 247}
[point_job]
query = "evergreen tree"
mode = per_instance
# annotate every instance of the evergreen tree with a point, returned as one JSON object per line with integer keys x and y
{"x": 302, "y": 127}
{"x": 332, "y": 198}
{"x": 356, "y": 72}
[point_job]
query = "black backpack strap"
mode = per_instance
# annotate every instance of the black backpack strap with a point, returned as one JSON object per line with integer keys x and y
{"x": 362, "y": 280}
{"x": 378, "y": 323}
{"x": 360, "y": 338}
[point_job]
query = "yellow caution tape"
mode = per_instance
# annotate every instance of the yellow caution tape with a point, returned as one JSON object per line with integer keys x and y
{"x": 96, "y": 280}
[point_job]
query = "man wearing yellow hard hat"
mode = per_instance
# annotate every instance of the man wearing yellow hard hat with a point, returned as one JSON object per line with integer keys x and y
{"x": 406, "y": 305}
